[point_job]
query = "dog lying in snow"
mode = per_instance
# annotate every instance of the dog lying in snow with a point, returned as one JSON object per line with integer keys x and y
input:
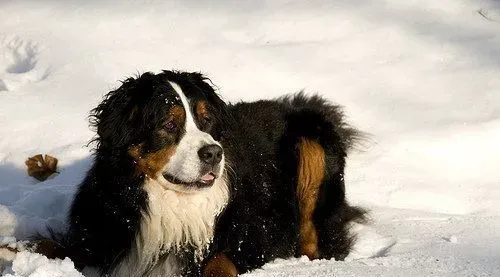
{"x": 184, "y": 184}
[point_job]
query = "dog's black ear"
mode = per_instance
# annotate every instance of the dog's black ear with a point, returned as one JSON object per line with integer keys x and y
{"x": 115, "y": 118}
{"x": 112, "y": 116}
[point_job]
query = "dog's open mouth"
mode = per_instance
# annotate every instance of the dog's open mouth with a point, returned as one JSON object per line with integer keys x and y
{"x": 204, "y": 181}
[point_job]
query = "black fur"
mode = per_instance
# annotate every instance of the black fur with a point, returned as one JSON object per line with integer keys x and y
{"x": 106, "y": 212}
{"x": 260, "y": 222}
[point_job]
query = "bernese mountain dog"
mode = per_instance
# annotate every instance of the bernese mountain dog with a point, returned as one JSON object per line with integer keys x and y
{"x": 183, "y": 184}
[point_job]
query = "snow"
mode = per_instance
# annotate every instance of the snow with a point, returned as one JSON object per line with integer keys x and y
{"x": 420, "y": 76}
{"x": 36, "y": 265}
{"x": 7, "y": 222}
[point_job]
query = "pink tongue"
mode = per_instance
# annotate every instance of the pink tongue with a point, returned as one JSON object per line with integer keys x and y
{"x": 208, "y": 177}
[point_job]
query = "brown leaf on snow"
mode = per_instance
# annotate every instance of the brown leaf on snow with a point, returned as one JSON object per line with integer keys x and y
{"x": 41, "y": 168}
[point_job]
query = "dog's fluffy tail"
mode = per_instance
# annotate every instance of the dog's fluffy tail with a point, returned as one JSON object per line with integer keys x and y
{"x": 315, "y": 116}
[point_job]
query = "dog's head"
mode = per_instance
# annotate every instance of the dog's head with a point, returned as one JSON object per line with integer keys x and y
{"x": 169, "y": 124}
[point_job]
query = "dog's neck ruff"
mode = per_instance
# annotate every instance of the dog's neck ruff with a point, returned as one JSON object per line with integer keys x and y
{"x": 173, "y": 222}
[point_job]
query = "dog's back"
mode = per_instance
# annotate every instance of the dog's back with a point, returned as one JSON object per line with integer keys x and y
{"x": 287, "y": 158}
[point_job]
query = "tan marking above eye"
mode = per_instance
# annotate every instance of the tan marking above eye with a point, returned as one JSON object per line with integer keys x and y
{"x": 202, "y": 110}
{"x": 175, "y": 115}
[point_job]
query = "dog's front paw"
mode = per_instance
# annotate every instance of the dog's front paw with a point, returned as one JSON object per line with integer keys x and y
{"x": 220, "y": 266}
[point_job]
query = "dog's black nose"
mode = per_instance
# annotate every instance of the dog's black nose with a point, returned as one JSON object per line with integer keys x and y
{"x": 210, "y": 154}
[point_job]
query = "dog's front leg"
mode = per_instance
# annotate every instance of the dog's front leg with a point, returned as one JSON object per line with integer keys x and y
{"x": 220, "y": 266}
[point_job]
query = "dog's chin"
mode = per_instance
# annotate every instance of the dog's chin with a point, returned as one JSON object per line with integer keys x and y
{"x": 202, "y": 183}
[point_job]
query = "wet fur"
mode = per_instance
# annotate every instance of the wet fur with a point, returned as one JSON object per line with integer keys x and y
{"x": 262, "y": 216}
{"x": 262, "y": 222}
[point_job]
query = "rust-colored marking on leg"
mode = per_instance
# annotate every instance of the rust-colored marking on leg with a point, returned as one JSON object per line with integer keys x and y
{"x": 311, "y": 172}
{"x": 220, "y": 266}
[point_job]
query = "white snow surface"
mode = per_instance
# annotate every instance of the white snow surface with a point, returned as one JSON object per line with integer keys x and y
{"x": 36, "y": 265}
{"x": 422, "y": 77}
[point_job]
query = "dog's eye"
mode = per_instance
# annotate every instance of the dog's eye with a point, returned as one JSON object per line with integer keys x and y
{"x": 170, "y": 126}
{"x": 206, "y": 122}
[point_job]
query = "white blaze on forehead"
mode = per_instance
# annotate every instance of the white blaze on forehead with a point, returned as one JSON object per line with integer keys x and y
{"x": 185, "y": 164}
{"x": 185, "y": 102}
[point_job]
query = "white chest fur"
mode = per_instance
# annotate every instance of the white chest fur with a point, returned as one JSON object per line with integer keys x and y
{"x": 172, "y": 221}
